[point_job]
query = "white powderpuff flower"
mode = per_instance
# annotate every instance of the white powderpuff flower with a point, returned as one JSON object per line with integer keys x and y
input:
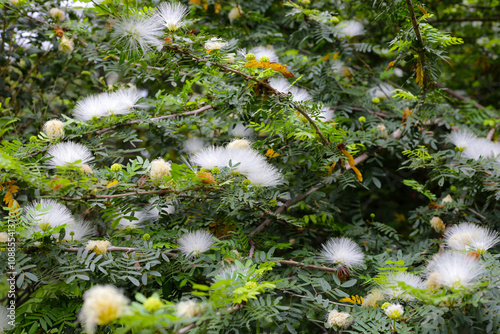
{"x": 234, "y": 13}
{"x": 454, "y": 270}
{"x": 249, "y": 163}
{"x": 137, "y": 32}
{"x": 187, "y": 309}
{"x": 232, "y": 272}
{"x": 121, "y": 102}
{"x": 132, "y": 223}
{"x": 63, "y": 154}
{"x": 171, "y": 15}
{"x": 381, "y": 91}
{"x": 343, "y": 253}
{"x": 46, "y": 46}
{"x": 394, "y": 311}
{"x": 98, "y": 246}
{"x": 261, "y": 51}
{"x": 241, "y": 131}
{"x": 394, "y": 291}
{"x": 238, "y": 143}
{"x": 471, "y": 237}
{"x": 4, "y": 320}
{"x": 57, "y": 14}
{"x": 349, "y": 29}
{"x": 299, "y": 94}
{"x": 193, "y": 145}
{"x": 480, "y": 148}
{"x": 81, "y": 229}
{"x": 159, "y": 169}
{"x": 372, "y": 298}
{"x": 195, "y": 243}
{"x": 398, "y": 72}
{"x": 102, "y": 304}
{"x": 215, "y": 43}
{"x": 66, "y": 45}
{"x": 44, "y": 218}
{"x": 462, "y": 139}
{"x": 4, "y": 237}
{"x": 54, "y": 129}
{"x": 341, "y": 320}
{"x": 280, "y": 84}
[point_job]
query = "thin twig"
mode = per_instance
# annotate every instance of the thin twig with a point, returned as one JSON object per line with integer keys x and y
{"x": 302, "y": 296}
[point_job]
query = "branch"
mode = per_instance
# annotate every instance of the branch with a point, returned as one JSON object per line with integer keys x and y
{"x": 138, "y": 193}
{"x": 251, "y": 78}
{"x": 301, "y": 296}
{"x": 156, "y": 119}
{"x": 460, "y": 97}
{"x": 465, "y": 19}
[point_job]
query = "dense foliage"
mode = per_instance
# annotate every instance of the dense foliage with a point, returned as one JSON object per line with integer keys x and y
{"x": 211, "y": 166}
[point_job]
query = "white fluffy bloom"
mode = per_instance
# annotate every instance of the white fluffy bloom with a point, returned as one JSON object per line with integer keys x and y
{"x": 394, "y": 311}
{"x": 4, "y": 237}
{"x": 147, "y": 214}
{"x": 81, "y": 229}
{"x": 349, "y": 29}
{"x": 232, "y": 272}
{"x": 57, "y": 215}
{"x": 241, "y": 131}
{"x": 251, "y": 164}
{"x": 473, "y": 147}
{"x": 341, "y": 320}
{"x": 239, "y": 143}
{"x": 283, "y": 86}
{"x": 159, "y": 168}
{"x": 299, "y": 94}
{"x": 398, "y": 72}
{"x": 471, "y": 237}
{"x": 462, "y": 139}
{"x": 57, "y": 14}
{"x": 215, "y": 43}
{"x": 54, "y": 129}
{"x": 66, "y": 45}
{"x": 234, "y": 13}
{"x": 4, "y": 320}
{"x": 326, "y": 114}
{"x": 454, "y": 270}
{"x": 394, "y": 291}
{"x": 381, "y": 91}
{"x": 343, "y": 253}
{"x": 63, "y": 154}
{"x": 187, "y": 309}
{"x": 195, "y": 243}
{"x": 98, "y": 246}
{"x": 261, "y": 51}
{"x": 193, "y": 145}
{"x": 102, "y": 304}
{"x": 171, "y": 15}
{"x": 138, "y": 32}
{"x": 121, "y": 102}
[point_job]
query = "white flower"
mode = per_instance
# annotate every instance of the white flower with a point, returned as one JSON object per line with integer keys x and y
{"x": 149, "y": 213}
{"x": 54, "y": 129}
{"x": 121, "y": 102}
{"x": 394, "y": 311}
{"x": 138, "y": 32}
{"x": 171, "y": 15}
{"x": 234, "y": 13}
{"x": 349, "y": 29}
{"x": 102, "y": 304}
{"x": 232, "y": 272}
{"x": 398, "y": 72}
{"x": 159, "y": 169}
{"x": 381, "y": 91}
{"x": 238, "y": 143}
{"x": 45, "y": 218}
{"x": 280, "y": 84}
{"x": 4, "y": 320}
{"x": 187, "y": 309}
{"x": 299, "y": 94}
{"x": 343, "y": 253}
{"x": 98, "y": 246}
{"x": 261, "y": 51}
{"x": 63, "y": 154}
{"x": 454, "y": 270}
{"x": 193, "y": 145}
{"x": 241, "y": 131}
{"x": 394, "y": 291}
{"x": 4, "y": 237}
{"x": 215, "y": 43}
{"x": 339, "y": 319}
{"x": 66, "y": 45}
{"x": 471, "y": 237}
{"x": 251, "y": 164}
{"x": 81, "y": 229}
{"x": 195, "y": 243}
{"x": 57, "y": 14}
{"x": 372, "y": 298}
{"x": 462, "y": 139}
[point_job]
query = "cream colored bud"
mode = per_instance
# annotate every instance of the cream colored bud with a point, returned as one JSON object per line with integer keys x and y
{"x": 66, "y": 45}
{"x": 159, "y": 169}
{"x": 238, "y": 143}
{"x": 57, "y": 14}
{"x": 438, "y": 225}
{"x": 54, "y": 129}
